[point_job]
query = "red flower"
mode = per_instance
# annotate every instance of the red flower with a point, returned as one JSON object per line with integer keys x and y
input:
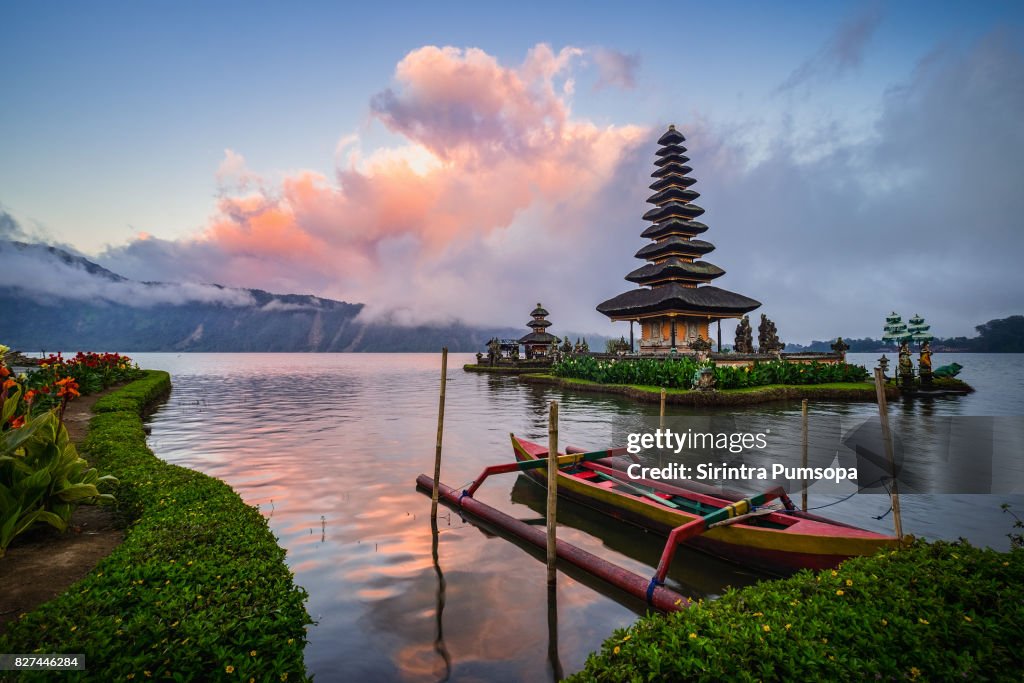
{"x": 17, "y": 422}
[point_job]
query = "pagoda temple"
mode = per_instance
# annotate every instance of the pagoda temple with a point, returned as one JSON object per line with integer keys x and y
{"x": 538, "y": 342}
{"x": 674, "y": 303}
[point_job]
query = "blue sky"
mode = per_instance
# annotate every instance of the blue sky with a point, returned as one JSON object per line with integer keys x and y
{"x": 117, "y": 115}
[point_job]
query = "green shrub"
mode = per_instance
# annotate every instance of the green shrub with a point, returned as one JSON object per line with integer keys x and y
{"x": 198, "y": 590}
{"x": 933, "y": 611}
{"x": 679, "y": 373}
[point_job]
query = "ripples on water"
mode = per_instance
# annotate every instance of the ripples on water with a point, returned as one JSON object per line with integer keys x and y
{"x": 329, "y": 446}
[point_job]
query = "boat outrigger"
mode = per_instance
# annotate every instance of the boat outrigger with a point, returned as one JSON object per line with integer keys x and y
{"x": 776, "y": 541}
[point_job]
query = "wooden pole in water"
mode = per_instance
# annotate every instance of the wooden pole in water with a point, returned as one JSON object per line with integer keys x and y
{"x": 661, "y": 413}
{"x": 440, "y": 433}
{"x": 883, "y": 415}
{"x": 552, "y": 489}
{"x": 803, "y": 452}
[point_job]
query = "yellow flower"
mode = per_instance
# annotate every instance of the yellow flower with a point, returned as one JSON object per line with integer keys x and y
{"x": 967, "y": 618}
{"x": 284, "y": 676}
{"x": 693, "y": 636}
{"x": 789, "y": 626}
{"x": 885, "y": 622}
{"x": 835, "y": 573}
{"x": 914, "y": 672}
{"x": 291, "y": 640}
{"x": 229, "y": 669}
{"x": 758, "y": 614}
{"x": 626, "y": 638}
{"x": 616, "y": 650}
{"x": 839, "y": 592}
{"x": 766, "y": 628}
{"x": 74, "y": 628}
{"x": 922, "y": 621}
{"x": 130, "y": 676}
{"x": 147, "y": 674}
{"x": 849, "y": 582}
{"x": 824, "y": 640}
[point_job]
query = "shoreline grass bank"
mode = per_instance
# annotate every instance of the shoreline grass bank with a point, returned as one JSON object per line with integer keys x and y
{"x": 929, "y": 612}
{"x": 198, "y": 590}
{"x": 836, "y": 391}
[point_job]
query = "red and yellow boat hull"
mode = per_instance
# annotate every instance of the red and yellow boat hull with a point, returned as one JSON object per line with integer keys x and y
{"x": 777, "y": 542}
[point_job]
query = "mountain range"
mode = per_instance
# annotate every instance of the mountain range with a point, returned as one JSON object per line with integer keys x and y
{"x": 53, "y": 299}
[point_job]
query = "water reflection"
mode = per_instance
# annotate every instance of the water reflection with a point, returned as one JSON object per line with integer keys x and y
{"x": 439, "y": 645}
{"x": 329, "y": 446}
{"x": 556, "y": 663}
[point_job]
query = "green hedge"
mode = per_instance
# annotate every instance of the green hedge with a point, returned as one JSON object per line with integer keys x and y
{"x": 930, "y": 612}
{"x": 198, "y": 590}
{"x": 680, "y": 373}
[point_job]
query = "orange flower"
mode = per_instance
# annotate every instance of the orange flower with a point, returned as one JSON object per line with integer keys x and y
{"x": 30, "y": 395}
{"x": 4, "y": 372}
{"x": 18, "y": 422}
{"x": 9, "y": 383}
{"x": 68, "y": 387}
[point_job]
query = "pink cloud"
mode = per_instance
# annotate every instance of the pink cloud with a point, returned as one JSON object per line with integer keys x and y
{"x": 490, "y": 149}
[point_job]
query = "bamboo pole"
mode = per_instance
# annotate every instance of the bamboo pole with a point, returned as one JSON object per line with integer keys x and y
{"x": 661, "y": 413}
{"x": 552, "y": 489}
{"x": 440, "y": 433}
{"x": 883, "y": 415}
{"x": 803, "y": 452}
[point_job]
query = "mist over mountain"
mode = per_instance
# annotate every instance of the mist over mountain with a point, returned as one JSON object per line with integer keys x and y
{"x": 53, "y": 299}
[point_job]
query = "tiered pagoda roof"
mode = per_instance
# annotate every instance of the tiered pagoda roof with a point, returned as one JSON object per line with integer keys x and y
{"x": 674, "y": 280}
{"x": 538, "y": 325}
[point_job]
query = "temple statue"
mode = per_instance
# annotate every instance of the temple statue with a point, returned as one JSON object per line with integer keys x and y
{"x": 924, "y": 365}
{"x": 702, "y": 347}
{"x": 566, "y": 345}
{"x": 744, "y": 337}
{"x": 768, "y": 336}
{"x": 906, "y": 367}
{"x": 883, "y": 364}
{"x": 841, "y": 347}
{"x": 493, "y": 351}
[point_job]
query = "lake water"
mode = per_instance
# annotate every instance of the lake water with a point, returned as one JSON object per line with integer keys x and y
{"x": 329, "y": 446}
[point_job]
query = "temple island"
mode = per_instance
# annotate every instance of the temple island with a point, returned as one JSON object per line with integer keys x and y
{"x": 674, "y": 305}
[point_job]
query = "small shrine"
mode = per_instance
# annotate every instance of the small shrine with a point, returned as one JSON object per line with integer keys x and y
{"x": 539, "y": 343}
{"x": 674, "y": 304}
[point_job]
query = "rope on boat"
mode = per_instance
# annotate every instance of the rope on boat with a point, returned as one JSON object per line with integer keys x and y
{"x": 464, "y": 489}
{"x": 846, "y": 498}
{"x": 650, "y": 589}
{"x": 886, "y": 513}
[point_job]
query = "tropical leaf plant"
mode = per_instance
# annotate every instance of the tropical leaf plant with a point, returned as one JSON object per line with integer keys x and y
{"x": 42, "y": 477}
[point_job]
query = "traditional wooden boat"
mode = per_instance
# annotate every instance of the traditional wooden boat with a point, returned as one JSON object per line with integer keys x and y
{"x": 777, "y": 541}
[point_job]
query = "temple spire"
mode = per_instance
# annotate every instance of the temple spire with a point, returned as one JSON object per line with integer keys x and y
{"x": 674, "y": 280}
